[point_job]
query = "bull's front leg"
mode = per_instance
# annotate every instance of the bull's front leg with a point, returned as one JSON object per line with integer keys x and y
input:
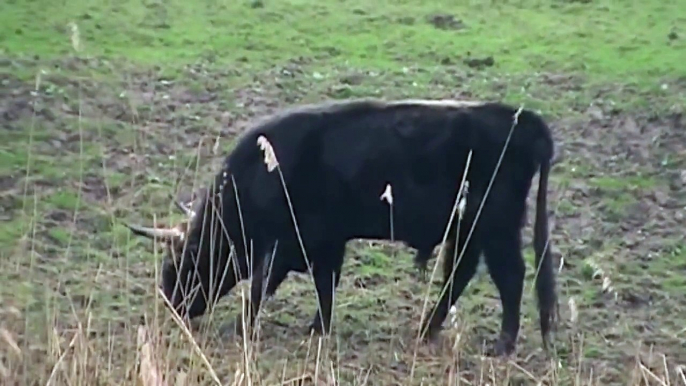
{"x": 273, "y": 271}
{"x": 421, "y": 258}
{"x": 261, "y": 270}
{"x": 245, "y": 321}
{"x": 327, "y": 274}
{"x": 326, "y": 283}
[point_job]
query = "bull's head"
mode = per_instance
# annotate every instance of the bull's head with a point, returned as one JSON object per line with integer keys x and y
{"x": 186, "y": 274}
{"x": 173, "y": 238}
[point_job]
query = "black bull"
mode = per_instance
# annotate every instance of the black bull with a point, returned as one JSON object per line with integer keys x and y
{"x": 335, "y": 160}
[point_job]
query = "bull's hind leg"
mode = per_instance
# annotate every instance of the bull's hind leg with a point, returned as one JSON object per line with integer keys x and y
{"x": 507, "y": 269}
{"x": 452, "y": 289}
{"x": 327, "y": 274}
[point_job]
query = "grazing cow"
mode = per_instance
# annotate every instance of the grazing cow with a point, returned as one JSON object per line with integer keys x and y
{"x": 335, "y": 159}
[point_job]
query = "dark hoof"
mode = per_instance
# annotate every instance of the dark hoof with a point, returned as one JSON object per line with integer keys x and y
{"x": 241, "y": 328}
{"x": 548, "y": 345}
{"x": 316, "y": 328}
{"x": 238, "y": 327}
{"x": 430, "y": 334}
{"x": 421, "y": 275}
{"x": 504, "y": 347}
{"x": 227, "y": 330}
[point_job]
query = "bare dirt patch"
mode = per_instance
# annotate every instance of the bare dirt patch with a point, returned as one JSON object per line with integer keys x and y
{"x": 618, "y": 200}
{"x": 446, "y": 22}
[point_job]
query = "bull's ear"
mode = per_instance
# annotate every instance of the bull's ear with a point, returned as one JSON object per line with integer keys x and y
{"x": 199, "y": 194}
{"x": 185, "y": 208}
{"x": 165, "y": 234}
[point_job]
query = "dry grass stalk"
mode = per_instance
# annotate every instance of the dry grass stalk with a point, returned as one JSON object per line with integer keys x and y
{"x": 11, "y": 342}
{"x": 179, "y": 322}
{"x": 599, "y": 273}
{"x": 4, "y": 371}
{"x": 681, "y": 371}
{"x": 149, "y": 372}
{"x": 269, "y": 154}
{"x": 75, "y": 37}
{"x": 387, "y": 195}
{"x": 60, "y": 355}
{"x": 573, "y": 310}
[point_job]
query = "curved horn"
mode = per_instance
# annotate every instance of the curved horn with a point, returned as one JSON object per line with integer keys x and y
{"x": 162, "y": 233}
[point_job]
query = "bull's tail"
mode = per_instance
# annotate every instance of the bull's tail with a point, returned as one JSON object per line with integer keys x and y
{"x": 545, "y": 274}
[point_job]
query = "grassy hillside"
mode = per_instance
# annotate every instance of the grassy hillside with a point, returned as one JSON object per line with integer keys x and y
{"x": 108, "y": 107}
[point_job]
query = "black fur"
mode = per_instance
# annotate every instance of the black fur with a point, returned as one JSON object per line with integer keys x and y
{"x": 336, "y": 160}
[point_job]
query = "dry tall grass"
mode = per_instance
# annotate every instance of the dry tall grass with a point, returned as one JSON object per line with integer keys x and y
{"x": 77, "y": 355}
{"x": 78, "y": 358}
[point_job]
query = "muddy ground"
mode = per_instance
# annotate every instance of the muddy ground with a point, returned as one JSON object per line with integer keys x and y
{"x": 104, "y": 151}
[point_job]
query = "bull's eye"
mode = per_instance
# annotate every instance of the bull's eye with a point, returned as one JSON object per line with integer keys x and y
{"x": 176, "y": 248}
{"x": 176, "y": 251}
{"x": 176, "y": 255}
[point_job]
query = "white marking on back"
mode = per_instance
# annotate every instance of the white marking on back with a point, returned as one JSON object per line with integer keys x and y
{"x": 437, "y": 102}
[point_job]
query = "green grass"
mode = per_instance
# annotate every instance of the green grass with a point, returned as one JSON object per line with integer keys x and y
{"x": 600, "y": 39}
{"x": 155, "y": 93}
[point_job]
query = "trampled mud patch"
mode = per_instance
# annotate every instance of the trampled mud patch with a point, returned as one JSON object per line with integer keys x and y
{"x": 123, "y": 145}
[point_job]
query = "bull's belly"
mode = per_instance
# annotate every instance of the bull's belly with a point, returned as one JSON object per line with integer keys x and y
{"x": 418, "y": 228}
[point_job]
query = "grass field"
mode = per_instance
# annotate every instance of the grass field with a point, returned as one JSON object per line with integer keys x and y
{"x": 109, "y": 107}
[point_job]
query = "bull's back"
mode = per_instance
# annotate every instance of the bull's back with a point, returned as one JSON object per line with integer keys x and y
{"x": 337, "y": 163}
